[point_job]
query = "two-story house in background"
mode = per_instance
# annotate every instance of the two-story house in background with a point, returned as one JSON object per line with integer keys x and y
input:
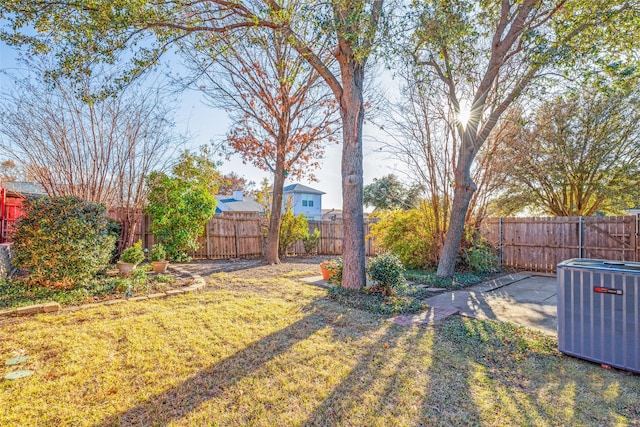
{"x": 304, "y": 200}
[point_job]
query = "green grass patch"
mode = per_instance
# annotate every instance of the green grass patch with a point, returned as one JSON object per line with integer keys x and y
{"x": 458, "y": 281}
{"x": 16, "y": 294}
{"x": 279, "y": 352}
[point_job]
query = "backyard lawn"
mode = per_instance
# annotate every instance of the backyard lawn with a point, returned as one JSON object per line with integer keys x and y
{"x": 269, "y": 350}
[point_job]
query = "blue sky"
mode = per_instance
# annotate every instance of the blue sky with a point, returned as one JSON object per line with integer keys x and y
{"x": 205, "y": 124}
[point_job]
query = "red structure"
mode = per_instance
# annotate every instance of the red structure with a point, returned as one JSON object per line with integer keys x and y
{"x": 12, "y": 195}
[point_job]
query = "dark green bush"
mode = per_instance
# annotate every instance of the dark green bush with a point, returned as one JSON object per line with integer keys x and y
{"x": 114, "y": 228}
{"x": 476, "y": 254}
{"x": 62, "y": 241}
{"x": 386, "y": 272}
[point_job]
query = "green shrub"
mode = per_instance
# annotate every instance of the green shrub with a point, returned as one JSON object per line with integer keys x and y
{"x": 311, "y": 240}
{"x": 293, "y": 228}
{"x": 114, "y": 228}
{"x": 137, "y": 282}
{"x": 179, "y": 210}
{"x": 409, "y": 234}
{"x": 163, "y": 278}
{"x": 133, "y": 254}
{"x": 62, "y": 241}
{"x": 412, "y": 236}
{"x": 476, "y": 254}
{"x": 386, "y": 272}
{"x": 157, "y": 253}
{"x": 180, "y": 204}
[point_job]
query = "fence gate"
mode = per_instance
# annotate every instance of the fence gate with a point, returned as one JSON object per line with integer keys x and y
{"x": 614, "y": 238}
{"x": 540, "y": 244}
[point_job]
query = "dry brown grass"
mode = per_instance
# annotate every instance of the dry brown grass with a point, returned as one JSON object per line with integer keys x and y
{"x": 278, "y": 352}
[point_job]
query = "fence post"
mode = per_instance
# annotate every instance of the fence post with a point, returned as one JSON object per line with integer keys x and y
{"x": 235, "y": 224}
{"x": 500, "y": 239}
{"x": 580, "y": 229}
{"x": 637, "y": 237}
{"x": 206, "y": 232}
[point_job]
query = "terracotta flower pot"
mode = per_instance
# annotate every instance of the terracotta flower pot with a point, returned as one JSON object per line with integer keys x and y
{"x": 326, "y": 274}
{"x": 160, "y": 266}
{"x": 125, "y": 267}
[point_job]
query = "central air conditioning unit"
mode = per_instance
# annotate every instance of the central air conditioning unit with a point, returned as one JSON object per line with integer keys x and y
{"x": 599, "y": 311}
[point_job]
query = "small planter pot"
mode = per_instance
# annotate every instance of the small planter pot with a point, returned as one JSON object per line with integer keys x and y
{"x": 125, "y": 267}
{"x": 160, "y": 266}
{"x": 326, "y": 274}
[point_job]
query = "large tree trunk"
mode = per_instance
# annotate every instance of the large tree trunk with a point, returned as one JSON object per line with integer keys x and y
{"x": 462, "y": 194}
{"x": 273, "y": 237}
{"x": 352, "y": 112}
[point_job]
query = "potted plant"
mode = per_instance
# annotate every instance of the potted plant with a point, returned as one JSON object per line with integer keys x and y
{"x": 158, "y": 258}
{"x": 131, "y": 257}
{"x": 332, "y": 270}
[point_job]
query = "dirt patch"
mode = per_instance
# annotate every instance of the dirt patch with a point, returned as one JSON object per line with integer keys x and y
{"x": 256, "y": 268}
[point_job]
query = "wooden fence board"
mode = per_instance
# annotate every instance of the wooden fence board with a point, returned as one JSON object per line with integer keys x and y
{"x": 240, "y": 236}
{"x": 536, "y": 244}
{"x": 540, "y": 244}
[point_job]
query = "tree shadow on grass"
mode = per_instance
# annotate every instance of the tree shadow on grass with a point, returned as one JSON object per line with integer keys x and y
{"x": 462, "y": 372}
{"x": 470, "y": 372}
{"x": 345, "y": 401}
{"x": 177, "y": 402}
{"x": 492, "y": 372}
{"x": 387, "y": 385}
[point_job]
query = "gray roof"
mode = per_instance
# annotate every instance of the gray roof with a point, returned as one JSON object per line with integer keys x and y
{"x": 248, "y": 204}
{"x": 299, "y": 188}
{"x": 24, "y": 188}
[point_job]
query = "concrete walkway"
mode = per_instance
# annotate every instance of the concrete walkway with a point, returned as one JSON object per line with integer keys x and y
{"x": 527, "y": 299}
{"x": 524, "y": 299}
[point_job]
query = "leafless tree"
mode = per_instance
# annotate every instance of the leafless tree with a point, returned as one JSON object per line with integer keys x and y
{"x": 97, "y": 149}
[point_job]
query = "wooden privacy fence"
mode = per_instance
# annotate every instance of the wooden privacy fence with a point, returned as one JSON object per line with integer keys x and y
{"x": 536, "y": 244}
{"x": 539, "y": 244}
{"x": 230, "y": 236}
{"x": 331, "y": 235}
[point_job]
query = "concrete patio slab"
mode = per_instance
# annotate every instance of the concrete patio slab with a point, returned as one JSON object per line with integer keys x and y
{"x": 529, "y": 301}
{"x": 316, "y": 280}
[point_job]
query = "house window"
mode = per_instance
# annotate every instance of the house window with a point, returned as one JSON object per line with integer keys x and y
{"x": 307, "y": 201}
